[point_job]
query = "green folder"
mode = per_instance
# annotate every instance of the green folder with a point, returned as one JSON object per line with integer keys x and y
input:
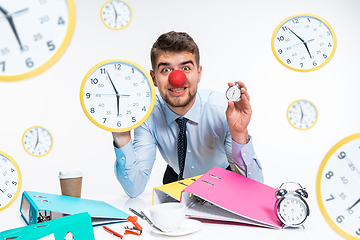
{"x": 77, "y": 226}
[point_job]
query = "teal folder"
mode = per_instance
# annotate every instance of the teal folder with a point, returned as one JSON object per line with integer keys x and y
{"x": 39, "y": 207}
{"x": 77, "y": 226}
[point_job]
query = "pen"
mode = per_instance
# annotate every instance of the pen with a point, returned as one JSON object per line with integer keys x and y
{"x": 112, "y": 232}
{"x": 138, "y": 214}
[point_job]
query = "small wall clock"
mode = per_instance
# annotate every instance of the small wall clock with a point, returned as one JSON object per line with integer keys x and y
{"x": 302, "y": 114}
{"x": 37, "y": 141}
{"x": 303, "y": 42}
{"x": 10, "y": 180}
{"x": 337, "y": 187}
{"x": 35, "y": 33}
{"x": 116, "y": 14}
{"x": 117, "y": 95}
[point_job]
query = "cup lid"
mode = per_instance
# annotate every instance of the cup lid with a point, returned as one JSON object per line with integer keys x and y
{"x": 74, "y": 174}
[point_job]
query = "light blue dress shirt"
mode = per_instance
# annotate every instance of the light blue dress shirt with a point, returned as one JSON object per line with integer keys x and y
{"x": 209, "y": 144}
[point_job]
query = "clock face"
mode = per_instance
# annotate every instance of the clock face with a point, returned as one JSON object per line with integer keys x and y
{"x": 116, "y": 14}
{"x": 35, "y": 33}
{"x": 37, "y": 141}
{"x": 234, "y": 93}
{"x": 303, "y": 42}
{"x": 10, "y": 180}
{"x": 337, "y": 187}
{"x": 302, "y": 114}
{"x": 292, "y": 210}
{"x": 117, "y": 95}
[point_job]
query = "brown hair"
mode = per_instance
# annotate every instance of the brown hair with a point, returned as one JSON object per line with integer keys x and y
{"x": 174, "y": 42}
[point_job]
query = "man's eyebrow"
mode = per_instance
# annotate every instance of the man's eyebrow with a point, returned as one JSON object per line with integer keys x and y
{"x": 168, "y": 64}
{"x": 163, "y": 64}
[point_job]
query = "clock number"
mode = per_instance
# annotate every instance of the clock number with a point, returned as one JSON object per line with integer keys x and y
{"x": 127, "y": 78}
{"x": 133, "y": 70}
{"x": 288, "y": 61}
{"x": 358, "y": 232}
{"x": 3, "y": 66}
{"x": 314, "y": 63}
{"x": 92, "y": 110}
{"x": 104, "y": 120}
{"x": 29, "y": 62}
{"x": 119, "y": 123}
{"x": 280, "y": 51}
{"x": 135, "y": 84}
{"x": 324, "y": 55}
{"x": 295, "y": 21}
{"x": 9, "y": 195}
{"x": 37, "y": 37}
{"x": 14, "y": 183}
{"x": 88, "y": 95}
{"x": 61, "y": 21}
{"x": 329, "y": 174}
{"x": 342, "y": 155}
{"x": 133, "y": 119}
{"x": 51, "y": 46}
{"x": 281, "y": 38}
{"x": 144, "y": 109}
{"x": 44, "y": 19}
{"x": 284, "y": 28}
{"x": 102, "y": 71}
{"x": 117, "y": 66}
{"x": 301, "y": 65}
{"x": 340, "y": 218}
{"x": 344, "y": 180}
{"x": 94, "y": 81}
{"x": 331, "y": 198}
{"x": 147, "y": 94}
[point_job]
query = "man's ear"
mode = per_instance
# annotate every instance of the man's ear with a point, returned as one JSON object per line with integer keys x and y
{"x": 199, "y": 73}
{"x": 152, "y": 74}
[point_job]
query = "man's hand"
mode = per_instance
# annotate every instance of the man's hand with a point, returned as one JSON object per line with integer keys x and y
{"x": 238, "y": 115}
{"x": 121, "y": 138}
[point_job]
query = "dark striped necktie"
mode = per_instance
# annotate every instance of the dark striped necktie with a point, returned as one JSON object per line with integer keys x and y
{"x": 181, "y": 145}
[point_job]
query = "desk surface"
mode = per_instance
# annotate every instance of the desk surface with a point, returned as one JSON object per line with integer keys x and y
{"x": 315, "y": 228}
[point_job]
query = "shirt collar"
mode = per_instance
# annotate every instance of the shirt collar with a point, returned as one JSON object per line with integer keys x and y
{"x": 193, "y": 114}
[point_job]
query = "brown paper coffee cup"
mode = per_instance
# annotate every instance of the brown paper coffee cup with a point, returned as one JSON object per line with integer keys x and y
{"x": 70, "y": 183}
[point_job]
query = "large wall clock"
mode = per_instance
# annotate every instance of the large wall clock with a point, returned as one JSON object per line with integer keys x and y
{"x": 35, "y": 33}
{"x": 116, "y": 14}
{"x": 303, "y": 42}
{"x": 337, "y": 187}
{"x": 117, "y": 95}
{"x": 10, "y": 180}
{"x": 302, "y": 114}
{"x": 37, "y": 141}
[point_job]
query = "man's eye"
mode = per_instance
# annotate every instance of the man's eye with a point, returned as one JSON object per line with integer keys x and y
{"x": 165, "y": 70}
{"x": 186, "y": 68}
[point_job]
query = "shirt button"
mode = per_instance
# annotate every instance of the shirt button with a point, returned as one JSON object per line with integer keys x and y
{"x": 189, "y": 151}
{"x": 125, "y": 177}
{"x": 249, "y": 173}
{"x": 244, "y": 154}
{"x": 123, "y": 158}
{"x": 192, "y": 167}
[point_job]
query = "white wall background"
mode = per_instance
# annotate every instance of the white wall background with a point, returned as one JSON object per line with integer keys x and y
{"x": 234, "y": 38}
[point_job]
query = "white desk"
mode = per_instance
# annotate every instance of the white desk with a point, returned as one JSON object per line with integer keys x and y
{"x": 315, "y": 228}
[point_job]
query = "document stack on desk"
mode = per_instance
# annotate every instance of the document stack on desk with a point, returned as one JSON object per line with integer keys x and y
{"x": 77, "y": 226}
{"x": 39, "y": 207}
{"x": 230, "y": 197}
{"x": 171, "y": 192}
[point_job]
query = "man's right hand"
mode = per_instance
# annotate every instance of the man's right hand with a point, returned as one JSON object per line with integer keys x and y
{"x": 121, "y": 138}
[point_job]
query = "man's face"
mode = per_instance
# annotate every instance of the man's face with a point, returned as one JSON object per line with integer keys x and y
{"x": 180, "y": 100}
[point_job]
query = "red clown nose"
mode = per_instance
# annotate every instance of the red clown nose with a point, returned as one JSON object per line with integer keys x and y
{"x": 177, "y": 78}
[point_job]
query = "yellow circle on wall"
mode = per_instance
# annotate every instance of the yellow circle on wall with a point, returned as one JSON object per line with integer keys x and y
{"x": 37, "y": 35}
{"x": 116, "y": 14}
{"x": 337, "y": 185}
{"x": 303, "y": 42}
{"x": 10, "y": 183}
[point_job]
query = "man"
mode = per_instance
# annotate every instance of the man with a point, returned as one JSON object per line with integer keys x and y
{"x": 216, "y": 128}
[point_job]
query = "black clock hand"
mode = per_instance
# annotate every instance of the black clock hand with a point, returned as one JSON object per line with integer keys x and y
{"x": 117, "y": 95}
{"x": 354, "y": 204}
{"x": 37, "y": 138}
{"x": 115, "y": 12}
{"x": 305, "y": 43}
{"x": 12, "y": 25}
{"x": 302, "y": 113}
